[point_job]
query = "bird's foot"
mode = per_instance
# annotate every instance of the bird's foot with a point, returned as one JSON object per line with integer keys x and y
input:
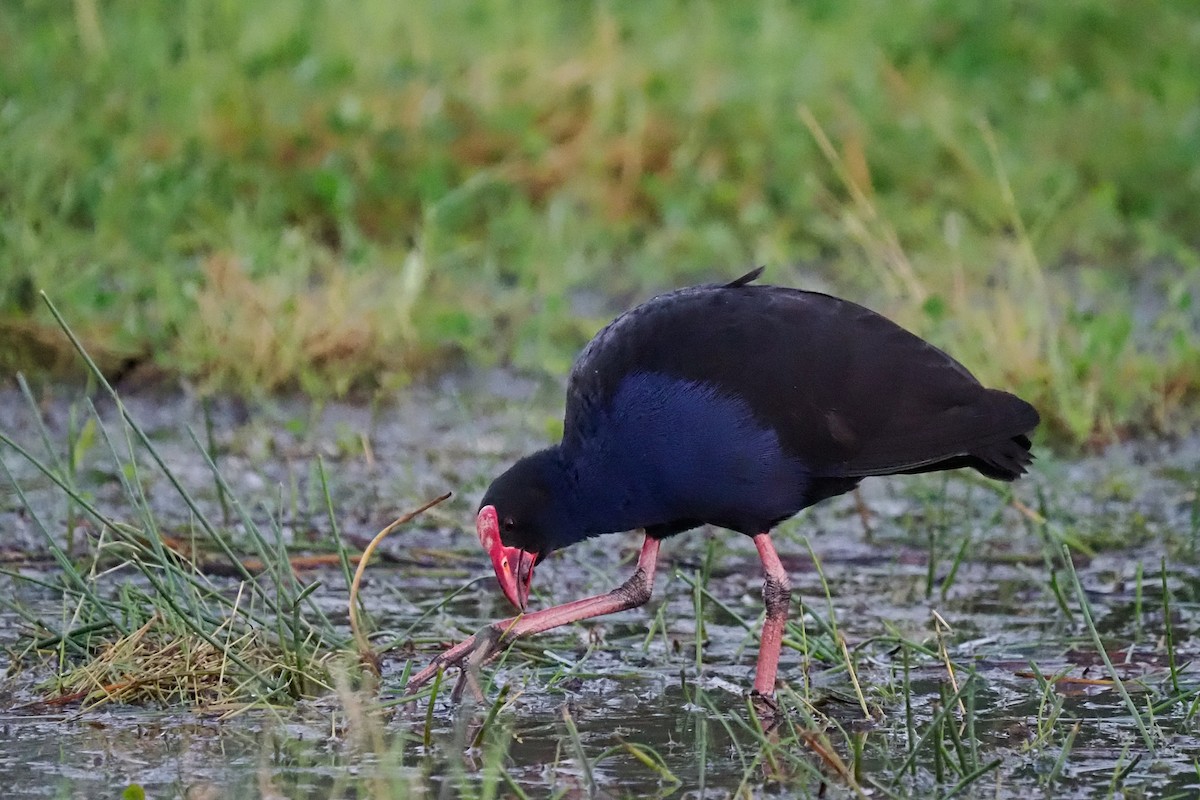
{"x": 487, "y": 645}
{"x": 768, "y": 710}
{"x": 469, "y": 656}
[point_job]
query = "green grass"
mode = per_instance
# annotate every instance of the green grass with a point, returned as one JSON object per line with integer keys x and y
{"x": 141, "y": 620}
{"x": 301, "y": 196}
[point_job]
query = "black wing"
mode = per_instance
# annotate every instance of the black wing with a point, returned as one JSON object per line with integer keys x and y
{"x": 849, "y": 392}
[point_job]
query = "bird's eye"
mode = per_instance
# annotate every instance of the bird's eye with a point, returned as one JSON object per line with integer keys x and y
{"x": 510, "y": 524}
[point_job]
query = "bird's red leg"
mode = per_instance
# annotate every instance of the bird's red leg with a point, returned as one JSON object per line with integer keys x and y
{"x": 481, "y": 647}
{"x": 777, "y": 595}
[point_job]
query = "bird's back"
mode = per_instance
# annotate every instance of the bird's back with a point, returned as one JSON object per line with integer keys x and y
{"x": 848, "y": 392}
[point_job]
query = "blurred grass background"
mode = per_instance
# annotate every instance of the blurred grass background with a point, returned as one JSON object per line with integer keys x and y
{"x": 333, "y": 197}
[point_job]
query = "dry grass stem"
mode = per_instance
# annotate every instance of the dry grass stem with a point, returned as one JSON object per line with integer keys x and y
{"x": 366, "y": 654}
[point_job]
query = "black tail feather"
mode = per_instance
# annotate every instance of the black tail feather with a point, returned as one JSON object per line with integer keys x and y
{"x": 1004, "y": 461}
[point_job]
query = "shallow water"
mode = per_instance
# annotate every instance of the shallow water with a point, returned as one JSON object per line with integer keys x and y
{"x": 635, "y": 678}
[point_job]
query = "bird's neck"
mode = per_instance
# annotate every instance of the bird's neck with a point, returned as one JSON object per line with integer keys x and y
{"x": 603, "y": 491}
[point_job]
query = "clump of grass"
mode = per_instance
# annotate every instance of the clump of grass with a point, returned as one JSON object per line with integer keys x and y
{"x": 156, "y": 665}
{"x": 322, "y": 330}
{"x": 143, "y": 621}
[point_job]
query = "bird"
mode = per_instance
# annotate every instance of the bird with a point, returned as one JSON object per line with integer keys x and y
{"x": 734, "y": 405}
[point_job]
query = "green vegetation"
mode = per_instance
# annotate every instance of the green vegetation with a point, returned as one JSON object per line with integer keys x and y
{"x": 273, "y": 195}
{"x": 176, "y": 636}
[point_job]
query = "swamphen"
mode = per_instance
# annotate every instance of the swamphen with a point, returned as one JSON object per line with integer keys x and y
{"x": 732, "y": 405}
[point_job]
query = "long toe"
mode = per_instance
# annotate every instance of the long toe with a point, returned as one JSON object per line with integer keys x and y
{"x": 488, "y": 644}
{"x": 468, "y": 678}
{"x": 768, "y": 709}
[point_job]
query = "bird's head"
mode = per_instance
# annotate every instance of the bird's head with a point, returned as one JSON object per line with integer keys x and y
{"x": 516, "y": 522}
